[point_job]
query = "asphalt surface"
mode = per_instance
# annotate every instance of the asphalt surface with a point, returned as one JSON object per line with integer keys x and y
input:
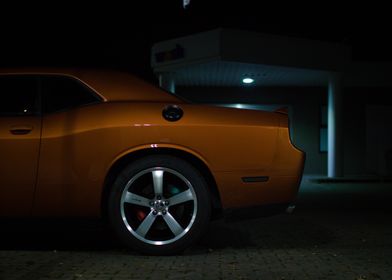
{"x": 338, "y": 231}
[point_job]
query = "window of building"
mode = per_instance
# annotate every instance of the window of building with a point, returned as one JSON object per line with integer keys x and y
{"x": 324, "y": 129}
{"x": 19, "y": 95}
{"x": 62, "y": 92}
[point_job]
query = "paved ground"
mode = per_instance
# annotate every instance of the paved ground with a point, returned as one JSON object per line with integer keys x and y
{"x": 338, "y": 231}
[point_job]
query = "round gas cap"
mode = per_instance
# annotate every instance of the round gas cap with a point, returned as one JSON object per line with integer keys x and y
{"x": 172, "y": 113}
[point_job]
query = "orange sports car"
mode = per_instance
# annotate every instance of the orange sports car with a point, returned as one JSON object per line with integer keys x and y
{"x": 89, "y": 143}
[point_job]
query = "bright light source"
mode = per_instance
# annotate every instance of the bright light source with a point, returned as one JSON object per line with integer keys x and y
{"x": 185, "y": 3}
{"x": 247, "y": 80}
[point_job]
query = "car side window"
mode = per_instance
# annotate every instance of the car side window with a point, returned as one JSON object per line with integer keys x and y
{"x": 18, "y": 95}
{"x": 62, "y": 92}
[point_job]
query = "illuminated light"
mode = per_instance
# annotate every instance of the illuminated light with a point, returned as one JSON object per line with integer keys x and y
{"x": 248, "y": 80}
{"x": 25, "y": 110}
{"x": 185, "y": 3}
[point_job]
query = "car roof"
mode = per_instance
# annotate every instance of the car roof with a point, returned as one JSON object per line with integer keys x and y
{"x": 111, "y": 85}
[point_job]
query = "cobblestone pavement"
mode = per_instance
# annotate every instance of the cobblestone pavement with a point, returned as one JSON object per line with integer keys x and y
{"x": 348, "y": 239}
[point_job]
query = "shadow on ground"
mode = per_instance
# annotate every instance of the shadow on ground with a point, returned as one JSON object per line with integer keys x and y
{"x": 317, "y": 207}
{"x": 282, "y": 231}
{"x": 70, "y": 235}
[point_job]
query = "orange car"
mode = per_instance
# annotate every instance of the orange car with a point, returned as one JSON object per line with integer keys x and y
{"x": 106, "y": 144}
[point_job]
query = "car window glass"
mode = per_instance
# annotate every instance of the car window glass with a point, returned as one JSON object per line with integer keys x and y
{"x": 60, "y": 93}
{"x": 19, "y": 95}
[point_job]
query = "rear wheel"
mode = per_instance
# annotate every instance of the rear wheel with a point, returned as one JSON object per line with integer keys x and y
{"x": 159, "y": 205}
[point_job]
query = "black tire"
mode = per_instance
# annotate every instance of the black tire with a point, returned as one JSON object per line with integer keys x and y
{"x": 129, "y": 217}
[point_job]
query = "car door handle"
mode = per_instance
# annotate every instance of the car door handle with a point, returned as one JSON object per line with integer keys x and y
{"x": 21, "y": 130}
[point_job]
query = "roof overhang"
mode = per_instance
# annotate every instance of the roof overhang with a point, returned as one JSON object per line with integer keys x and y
{"x": 222, "y": 57}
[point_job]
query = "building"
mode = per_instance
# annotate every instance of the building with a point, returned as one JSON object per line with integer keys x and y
{"x": 340, "y": 110}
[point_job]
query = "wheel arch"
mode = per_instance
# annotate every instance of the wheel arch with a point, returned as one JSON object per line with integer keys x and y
{"x": 126, "y": 158}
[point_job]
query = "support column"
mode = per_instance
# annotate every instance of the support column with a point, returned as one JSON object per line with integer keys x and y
{"x": 335, "y": 133}
{"x": 167, "y": 82}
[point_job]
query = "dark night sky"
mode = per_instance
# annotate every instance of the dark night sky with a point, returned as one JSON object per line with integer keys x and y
{"x": 123, "y": 41}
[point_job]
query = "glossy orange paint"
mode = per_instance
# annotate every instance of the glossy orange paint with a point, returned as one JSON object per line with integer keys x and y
{"x": 19, "y": 160}
{"x": 78, "y": 147}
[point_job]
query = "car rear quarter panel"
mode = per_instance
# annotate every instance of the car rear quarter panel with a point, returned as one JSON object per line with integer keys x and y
{"x": 79, "y": 146}
{"x": 284, "y": 174}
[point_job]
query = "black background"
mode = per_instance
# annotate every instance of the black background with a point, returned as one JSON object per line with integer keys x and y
{"x": 121, "y": 36}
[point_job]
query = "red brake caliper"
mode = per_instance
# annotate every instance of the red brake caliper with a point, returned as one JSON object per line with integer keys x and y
{"x": 140, "y": 214}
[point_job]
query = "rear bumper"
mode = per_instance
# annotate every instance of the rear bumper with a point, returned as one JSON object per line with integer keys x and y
{"x": 235, "y": 193}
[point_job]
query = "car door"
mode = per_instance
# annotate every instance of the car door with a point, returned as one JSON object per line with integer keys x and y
{"x": 20, "y": 132}
{"x": 64, "y": 165}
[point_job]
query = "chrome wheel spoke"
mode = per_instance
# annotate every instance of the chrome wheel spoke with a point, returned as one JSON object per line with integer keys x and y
{"x": 174, "y": 226}
{"x": 157, "y": 177}
{"x": 136, "y": 199}
{"x": 145, "y": 226}
{"x": 140, "y": 223}
{"x": 181, "y": 197}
